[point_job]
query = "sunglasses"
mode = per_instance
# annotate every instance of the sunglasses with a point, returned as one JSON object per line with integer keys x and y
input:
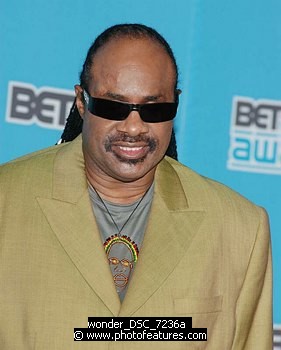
{"x": 113, "y": 110}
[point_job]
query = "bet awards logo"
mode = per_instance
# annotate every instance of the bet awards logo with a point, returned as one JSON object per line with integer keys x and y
{"x": 255, "y": 136}
{"x": 277, "y": 337}
{"x": 46, "y": 107}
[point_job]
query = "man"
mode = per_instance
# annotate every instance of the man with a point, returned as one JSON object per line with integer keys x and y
{"x": 106, "y": 225}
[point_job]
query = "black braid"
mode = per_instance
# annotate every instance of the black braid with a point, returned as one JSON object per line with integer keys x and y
{"x": 73, "y": 125}
{"x": 74, "y": 122}
{"x": 172, "y": 148}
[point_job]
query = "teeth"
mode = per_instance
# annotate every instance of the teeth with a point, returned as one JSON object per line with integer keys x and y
{"x": 130, "y": 148}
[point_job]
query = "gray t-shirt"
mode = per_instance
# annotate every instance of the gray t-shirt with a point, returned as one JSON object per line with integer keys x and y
{"x": 122, "y": 248}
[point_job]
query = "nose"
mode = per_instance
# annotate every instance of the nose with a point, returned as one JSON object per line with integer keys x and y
{"x": 119, "y": 268}
{"x": 133, "y": 125}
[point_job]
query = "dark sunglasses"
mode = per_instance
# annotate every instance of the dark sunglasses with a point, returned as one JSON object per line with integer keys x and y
{"x": 113, "y": 110}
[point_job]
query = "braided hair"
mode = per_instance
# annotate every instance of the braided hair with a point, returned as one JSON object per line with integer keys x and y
{"x": 74, "y": 121}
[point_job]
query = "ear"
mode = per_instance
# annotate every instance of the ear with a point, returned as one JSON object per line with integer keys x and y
{"x": 80, "y": 102}
{"x": 177, "y": 93}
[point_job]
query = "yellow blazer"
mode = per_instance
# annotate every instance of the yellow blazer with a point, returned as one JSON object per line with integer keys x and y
{"x": 206, "y": 254}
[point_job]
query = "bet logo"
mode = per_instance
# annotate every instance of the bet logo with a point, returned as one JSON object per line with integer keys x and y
{"x": 46, "y": 107}
{"x": 255, "y": 136}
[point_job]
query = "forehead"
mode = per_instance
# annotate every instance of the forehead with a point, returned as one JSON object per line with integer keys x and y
{"x": 115, "y": 249}
{"x": 133, "y": 63}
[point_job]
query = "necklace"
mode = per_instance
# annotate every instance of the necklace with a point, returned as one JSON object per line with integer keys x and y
{"x": 121, "y": 250}
{"x": 111, "y": 217}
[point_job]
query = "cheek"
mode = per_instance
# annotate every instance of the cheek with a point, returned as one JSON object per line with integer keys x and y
{"x": 95, "y": 130}
{"x": 163, "y": 133}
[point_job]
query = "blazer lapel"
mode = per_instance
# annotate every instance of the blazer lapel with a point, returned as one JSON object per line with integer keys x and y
{"x": 70, "y": 216}
{"x": 171, "y": 228}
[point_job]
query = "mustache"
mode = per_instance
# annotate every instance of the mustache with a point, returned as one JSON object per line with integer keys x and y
{"x": 149, "y": 141}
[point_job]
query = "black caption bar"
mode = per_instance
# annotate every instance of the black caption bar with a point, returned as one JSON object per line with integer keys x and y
{"x": 140, "y": 329}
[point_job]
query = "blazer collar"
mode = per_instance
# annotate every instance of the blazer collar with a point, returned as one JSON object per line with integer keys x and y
{"x": 166, "y": 240}
{"x": 69, "y": 179}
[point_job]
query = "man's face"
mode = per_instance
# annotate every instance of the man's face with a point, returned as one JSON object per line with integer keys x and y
{"x": 130, "y": 71}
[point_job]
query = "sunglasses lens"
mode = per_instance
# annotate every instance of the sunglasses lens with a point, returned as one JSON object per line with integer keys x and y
{"x": 158, "y": 112}
{"x": 150, "y": 112}
{"x": 107, "y": 109}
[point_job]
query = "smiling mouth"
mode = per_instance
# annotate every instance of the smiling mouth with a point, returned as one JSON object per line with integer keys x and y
{"x": 120, "y": 280}
{"x": 130, "y": 152}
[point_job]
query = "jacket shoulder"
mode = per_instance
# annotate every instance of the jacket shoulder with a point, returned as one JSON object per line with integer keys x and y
{"x": 29, "y": 168}
{"x": 202, "y": 191}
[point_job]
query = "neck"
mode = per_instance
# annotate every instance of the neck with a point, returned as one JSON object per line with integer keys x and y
{"x": 119, "y": 192}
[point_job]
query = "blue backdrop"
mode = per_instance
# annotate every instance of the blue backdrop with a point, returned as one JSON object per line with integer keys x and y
{"x": 229, "y": 123}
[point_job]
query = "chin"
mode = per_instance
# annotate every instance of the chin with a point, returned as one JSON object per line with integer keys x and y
{"x": 132, "y": 173}
{"x": 132, "y": 169}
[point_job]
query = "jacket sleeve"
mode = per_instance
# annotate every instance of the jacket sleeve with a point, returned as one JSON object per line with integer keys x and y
{"x": 254, "y": 304}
